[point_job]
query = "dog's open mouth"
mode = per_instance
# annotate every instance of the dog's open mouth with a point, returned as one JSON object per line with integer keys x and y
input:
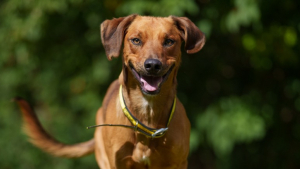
{"x": 150, "y": 84}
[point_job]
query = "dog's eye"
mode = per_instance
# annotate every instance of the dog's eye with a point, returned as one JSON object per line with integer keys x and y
{"x": 169, "y": 42}
{"x": 136, "y": 41}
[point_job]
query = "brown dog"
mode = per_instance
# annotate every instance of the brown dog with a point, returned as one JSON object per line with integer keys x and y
{"x": 143, "y": 98}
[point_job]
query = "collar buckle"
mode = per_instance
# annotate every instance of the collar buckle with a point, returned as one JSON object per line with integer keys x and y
{"x": 159, "y": 132}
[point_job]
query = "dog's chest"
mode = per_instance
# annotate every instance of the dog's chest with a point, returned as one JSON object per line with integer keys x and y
{"x": 147, "y": 106}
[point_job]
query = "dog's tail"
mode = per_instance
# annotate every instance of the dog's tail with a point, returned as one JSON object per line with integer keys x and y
{"x": 40, "y": 138}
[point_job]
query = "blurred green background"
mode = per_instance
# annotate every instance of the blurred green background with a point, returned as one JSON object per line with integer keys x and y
{"x": 241, "y": 92}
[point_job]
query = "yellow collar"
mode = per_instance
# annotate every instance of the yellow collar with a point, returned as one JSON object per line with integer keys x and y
{"x": 139, "y": 126}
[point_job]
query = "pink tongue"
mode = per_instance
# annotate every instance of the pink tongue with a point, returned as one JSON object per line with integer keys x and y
{"x": 150, "y": 83}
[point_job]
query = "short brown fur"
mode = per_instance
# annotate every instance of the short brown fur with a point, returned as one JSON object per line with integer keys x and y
{"x": 122, "y": 148}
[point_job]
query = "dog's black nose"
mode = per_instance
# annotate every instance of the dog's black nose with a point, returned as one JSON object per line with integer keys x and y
{"x": 152, "y": 65}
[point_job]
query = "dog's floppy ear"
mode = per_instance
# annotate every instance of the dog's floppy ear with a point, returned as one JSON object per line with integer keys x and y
{"x": 190, "y": 33}
{"x": 112, "y": 34}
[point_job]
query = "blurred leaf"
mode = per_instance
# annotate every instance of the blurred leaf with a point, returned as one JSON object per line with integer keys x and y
{"x": 195, "y": 140}
{"x": 158, "y": 7}
{"x": 290, "y": 36}
{"x": 249, "y": 42}
{"x": 228, "y": 122}
{"x": 244, "y": 13}
{"x": 206, "y": 27}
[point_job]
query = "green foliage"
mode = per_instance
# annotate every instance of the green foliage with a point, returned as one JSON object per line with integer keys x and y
{"x": 159, "y": 7}
{"x": 290, "y": 36}
{"x": 244, "y": 13}
{"x": 229, "y": 122}
{"x": 241, "y": 92}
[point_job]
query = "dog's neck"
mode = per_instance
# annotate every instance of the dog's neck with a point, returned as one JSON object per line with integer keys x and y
{"x": 152, "y": 110}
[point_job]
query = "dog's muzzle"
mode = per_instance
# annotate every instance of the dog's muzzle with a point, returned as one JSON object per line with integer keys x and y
{"x": 151, "y": 81}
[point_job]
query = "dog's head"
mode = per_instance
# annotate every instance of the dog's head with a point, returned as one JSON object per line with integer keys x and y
{"x": 152, "y": 45}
